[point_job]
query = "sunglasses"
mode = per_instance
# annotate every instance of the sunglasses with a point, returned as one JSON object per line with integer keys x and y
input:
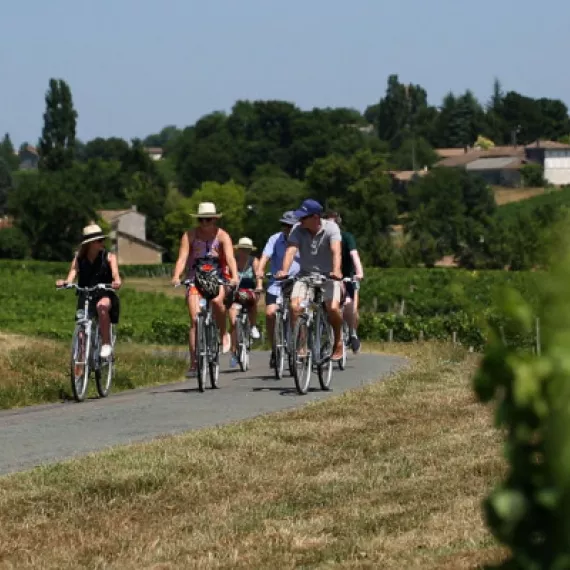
{"x": 202, "y": 220}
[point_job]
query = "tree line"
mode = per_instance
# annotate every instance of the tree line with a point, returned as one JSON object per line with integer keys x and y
{"x": 264, "y": 157}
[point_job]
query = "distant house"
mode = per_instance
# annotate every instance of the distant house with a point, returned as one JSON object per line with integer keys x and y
{"x": 129, "y": 237}
{"x": 554, "y": 158}
{"x": 501, "y": 165}
{"x": 154, "y": 152}
{"x": 29, "y": 158}
{"x": 402, "y": 178}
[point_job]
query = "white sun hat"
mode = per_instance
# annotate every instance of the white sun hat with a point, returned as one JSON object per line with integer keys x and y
{"x": 93, "y": 232}
{"x": 207, "y": 210}
{"x": 245, "y": 243}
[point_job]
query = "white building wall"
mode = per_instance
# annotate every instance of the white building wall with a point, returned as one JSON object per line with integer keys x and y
{"x": 557, "y": 166}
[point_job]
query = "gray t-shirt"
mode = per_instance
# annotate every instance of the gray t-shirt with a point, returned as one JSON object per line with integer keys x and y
{"x": 315, "y": 251}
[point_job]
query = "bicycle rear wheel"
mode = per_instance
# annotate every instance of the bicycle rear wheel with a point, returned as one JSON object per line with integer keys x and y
{"x": 79, "y": 364}
{"x": 106, "y": 367}
{"x": 214, "y": 360}
{"x": 279, "y": 345}
{"x": 345, "y": 339}
{"x": 242, "y": 324}
{"x": 302, "y": 355}
{"x": 201, "y": 352}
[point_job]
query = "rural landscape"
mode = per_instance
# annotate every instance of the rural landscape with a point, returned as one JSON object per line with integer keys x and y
{"x": 444, "y": 444}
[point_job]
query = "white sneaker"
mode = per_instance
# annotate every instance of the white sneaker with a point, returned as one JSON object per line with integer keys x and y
{"x": 255, "y": 333}
{"x": 106, "y": 351}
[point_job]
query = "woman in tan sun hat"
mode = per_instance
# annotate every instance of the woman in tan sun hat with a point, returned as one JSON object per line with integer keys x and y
{"x": 92, "y": 265}
{"x": 206, "y": 239}
{"x": 248, "y": 292}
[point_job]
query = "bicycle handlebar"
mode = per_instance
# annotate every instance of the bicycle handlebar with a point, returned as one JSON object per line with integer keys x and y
{"x": 99, "y": 286}
{"x": 189, "y": 282}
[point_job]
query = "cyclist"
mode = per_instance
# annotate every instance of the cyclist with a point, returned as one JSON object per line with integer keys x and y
{"x": 274, "y": 251}
{"x": 351, "y": 268}
{"x": 94, "y": 265}
{"x": 206, "y": 240}
{"x": 247, "y": 294}
{"x": 318, "y": 242}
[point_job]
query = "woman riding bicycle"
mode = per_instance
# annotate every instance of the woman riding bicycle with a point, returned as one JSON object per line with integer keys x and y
{"x": 94, "y": 265}
{"x": 248, "y": 292}
{"x": 207, "y": 240}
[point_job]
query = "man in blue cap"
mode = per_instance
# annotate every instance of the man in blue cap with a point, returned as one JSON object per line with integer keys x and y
{"x": 274, "y": 251}
{"x": 318, "y": 242}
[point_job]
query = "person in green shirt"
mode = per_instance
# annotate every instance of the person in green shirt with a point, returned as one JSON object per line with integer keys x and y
{"x": 352, "y": 268}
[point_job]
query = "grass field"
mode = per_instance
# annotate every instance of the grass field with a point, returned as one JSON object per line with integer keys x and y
{"x": 508, "y": 195}
{"x": 390, "y": 476}
{"x": 34, "y": 371}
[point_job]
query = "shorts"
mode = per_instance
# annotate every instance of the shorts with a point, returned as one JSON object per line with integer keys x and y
{"x": 270, "y": 299}
{"x": 244, "y": 298}
{"x": 332, "y": 290}
{"x": 114, "y": 311}
{"x": 351, "y": 289}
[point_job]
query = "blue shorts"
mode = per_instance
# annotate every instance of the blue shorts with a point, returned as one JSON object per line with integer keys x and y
{"x": 270, "y": 299}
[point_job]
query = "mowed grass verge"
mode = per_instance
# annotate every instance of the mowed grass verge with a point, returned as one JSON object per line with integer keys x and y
{"x": 388, "y": 476}
{"x": 36, "y": 371}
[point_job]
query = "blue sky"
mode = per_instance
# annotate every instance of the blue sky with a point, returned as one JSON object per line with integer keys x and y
{"x": 135, "y": 66}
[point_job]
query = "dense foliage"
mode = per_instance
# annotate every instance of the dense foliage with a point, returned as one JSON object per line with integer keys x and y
{"x": 399, "y": 304}
{"x": 266, "y": 156}
{"x": 529, "y": 511}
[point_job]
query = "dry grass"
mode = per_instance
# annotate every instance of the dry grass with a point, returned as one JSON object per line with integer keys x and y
{"x": 154, "y": 285}
{"x": 507, "y": 195}
{"x": 390, "y": 476}
{"x": 34, "y": 371}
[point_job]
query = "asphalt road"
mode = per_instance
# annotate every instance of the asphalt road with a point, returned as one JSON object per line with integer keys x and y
{"x": 49, "y": 433}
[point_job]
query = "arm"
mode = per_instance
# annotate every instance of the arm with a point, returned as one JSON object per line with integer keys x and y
{"x": 228, "y": 246}
{"x": 262, "y": 262}
{"x": 288, "y": 259}
{"x": 259, "y": 280}
{"x": 357, "y": 264}
{"x": 115, "y": 271}
{"x": 183, "y": 253}
{"x": 336, "y": 258}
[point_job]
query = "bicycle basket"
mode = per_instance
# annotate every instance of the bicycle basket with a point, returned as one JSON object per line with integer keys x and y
{"x": 206, "y": 279}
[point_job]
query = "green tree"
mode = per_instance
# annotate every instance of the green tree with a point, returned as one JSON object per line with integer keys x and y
{"x": 57, "y": 144}
{"x": 414, "y": 154}
{"x": 8, "y": 154}
{"x": 533, "y": 175}
{"x": 113, "y": 148}
{"x": 13, "y": 244}
{"x": 6, "y": 185}
{"x": 267, "y": 199}
{"x": 51, "y": 208}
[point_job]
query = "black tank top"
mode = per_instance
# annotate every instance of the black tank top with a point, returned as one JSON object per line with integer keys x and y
{"x": 93, "y": 273}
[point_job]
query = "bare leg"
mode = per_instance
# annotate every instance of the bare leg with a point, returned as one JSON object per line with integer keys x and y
{"x": 193, "y": 308}
{"x": 233, "y": 332}
{"x": 335, "y": 318}
{"x": 270, "y": 311}
{"x": 103, "y": 307}
{"x": 220, "y": 313}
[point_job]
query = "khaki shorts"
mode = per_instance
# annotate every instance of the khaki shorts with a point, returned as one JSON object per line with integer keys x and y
{"x": 331, "y": 291}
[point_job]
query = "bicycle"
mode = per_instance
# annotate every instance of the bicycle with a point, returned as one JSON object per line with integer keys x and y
{"x": 282, "y": 332}
{"x": 86, "y": 347}
{"x": 346, "y": 332}
{"x": 313, "y": 338}
{"x": 207, "y": 343}
{"x": 243, "y": 337}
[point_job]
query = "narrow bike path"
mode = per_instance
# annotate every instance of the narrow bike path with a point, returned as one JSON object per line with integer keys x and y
{"x": 48, "y": 433}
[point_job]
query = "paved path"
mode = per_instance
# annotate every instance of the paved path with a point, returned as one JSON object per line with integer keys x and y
{"x": 48, "y": 433}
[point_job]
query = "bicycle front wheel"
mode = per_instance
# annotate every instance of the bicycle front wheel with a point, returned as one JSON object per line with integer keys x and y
{"x": 214, "y": 359}
{"x": 302, "y": 355}
{"x": 201, "y": 353}
{"x": 242, "y": 331}
{"x": 345, "y": 339}
{"x": 79, "y": 365}
{"x": 326, "y": 347}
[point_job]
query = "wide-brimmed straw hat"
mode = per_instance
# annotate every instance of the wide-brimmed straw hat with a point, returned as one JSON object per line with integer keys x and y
{"x": 207, "y": 210}
{"x": 245, "y": 243}
{"x": 91, "y": 233}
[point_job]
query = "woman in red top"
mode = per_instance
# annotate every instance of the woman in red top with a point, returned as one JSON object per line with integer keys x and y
{"x": 206, "y": 239}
